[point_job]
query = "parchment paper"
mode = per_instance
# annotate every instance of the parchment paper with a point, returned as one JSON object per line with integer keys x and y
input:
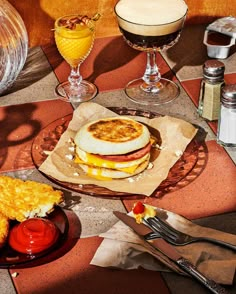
{"x": 175, "y": 134}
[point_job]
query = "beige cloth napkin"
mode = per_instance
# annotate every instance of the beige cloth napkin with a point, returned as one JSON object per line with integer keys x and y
{"x": 122, "y": 248}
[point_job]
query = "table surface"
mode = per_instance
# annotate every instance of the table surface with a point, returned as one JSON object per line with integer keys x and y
{"x": 208, "y": 199}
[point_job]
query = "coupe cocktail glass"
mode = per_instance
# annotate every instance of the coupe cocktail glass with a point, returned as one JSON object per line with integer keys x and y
{"x": 74, "y": 36}
{"x": 151, "y": 26}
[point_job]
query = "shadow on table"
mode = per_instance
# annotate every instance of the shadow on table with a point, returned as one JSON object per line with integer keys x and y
{"x": 36, "y": 68}
{"x": 110, "y": 57}
{"x": 15, "y": 117}
{"x": 176, "y": 283}
{"x": 113, "y": 56}
{"x": 186, "y": 51}
{"x": 190, "y": 50}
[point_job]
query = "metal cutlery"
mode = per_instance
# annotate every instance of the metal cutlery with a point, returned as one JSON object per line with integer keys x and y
{"x": 175, "y": 237}
{"x": 169, "y": 251}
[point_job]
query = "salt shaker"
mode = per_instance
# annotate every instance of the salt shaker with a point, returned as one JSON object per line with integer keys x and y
{"x": 226, "y": 133}
{"x": 210, "y": 93}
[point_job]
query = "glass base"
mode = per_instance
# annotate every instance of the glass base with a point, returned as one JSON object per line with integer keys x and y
{"x": 163, "y": 92}
{"x": 85, "y": 92}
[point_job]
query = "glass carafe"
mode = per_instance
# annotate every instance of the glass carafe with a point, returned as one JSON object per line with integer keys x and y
{"x": 13, "y": 45}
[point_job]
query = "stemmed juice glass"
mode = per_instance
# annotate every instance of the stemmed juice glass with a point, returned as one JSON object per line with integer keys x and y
{"x": 151, "y": 26}
{"x": 74, "y": 36}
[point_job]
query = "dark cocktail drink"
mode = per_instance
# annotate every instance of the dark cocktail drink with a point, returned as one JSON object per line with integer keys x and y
{"x": 151, "y": 25}
{"x": 144, "y": 43}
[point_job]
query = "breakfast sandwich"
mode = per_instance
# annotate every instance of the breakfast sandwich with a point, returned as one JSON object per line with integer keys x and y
{"x": 20, "y": 200}
{"x": 115, "y": 147}
{"x": 4, "y": 229}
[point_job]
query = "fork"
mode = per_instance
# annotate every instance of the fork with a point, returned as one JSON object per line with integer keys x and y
{"x": 175, "y": 237}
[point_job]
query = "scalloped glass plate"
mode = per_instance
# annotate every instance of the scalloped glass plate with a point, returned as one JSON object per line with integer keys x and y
{"x": 10, "y": 258}
{"x": 50, "y": 135}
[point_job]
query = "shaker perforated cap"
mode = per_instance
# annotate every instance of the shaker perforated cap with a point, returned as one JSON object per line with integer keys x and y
{"x": 214, "y": 70}
{"x": 228, "y": 97}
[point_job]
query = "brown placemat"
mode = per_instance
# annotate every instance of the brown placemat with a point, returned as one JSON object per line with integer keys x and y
{"x": 72, "y": 274}
{"x": 176, "y": 283}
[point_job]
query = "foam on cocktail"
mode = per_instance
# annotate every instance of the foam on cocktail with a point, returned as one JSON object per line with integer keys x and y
{"x": 151, "y": 17}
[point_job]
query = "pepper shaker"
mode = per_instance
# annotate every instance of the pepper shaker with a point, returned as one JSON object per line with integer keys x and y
{"x": 210, "y": 93}
{"x": 226, "y": 133}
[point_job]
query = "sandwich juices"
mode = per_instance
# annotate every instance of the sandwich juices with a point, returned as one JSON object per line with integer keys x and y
{"x": 148, "y": 24}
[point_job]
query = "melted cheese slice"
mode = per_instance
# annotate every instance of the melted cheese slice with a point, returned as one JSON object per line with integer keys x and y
{"x": 99, "y": 162}
{"x": 97, "y": 174}
{"x": 93, "y": 160}
{"x": 106, "y": 173}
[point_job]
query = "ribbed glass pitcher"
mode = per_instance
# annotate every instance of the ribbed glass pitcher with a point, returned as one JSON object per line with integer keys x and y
{"x": 13, "y": 45}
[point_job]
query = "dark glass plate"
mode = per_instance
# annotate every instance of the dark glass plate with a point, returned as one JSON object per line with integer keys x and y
{"x": 9, "y": 258}
{"x": 50, "y": 135}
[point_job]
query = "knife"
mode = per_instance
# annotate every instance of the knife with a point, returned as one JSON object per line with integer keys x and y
{"x": 169, "y": 251}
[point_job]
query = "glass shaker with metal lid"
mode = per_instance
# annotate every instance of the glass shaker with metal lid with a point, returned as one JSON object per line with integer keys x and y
{"x": 210, "y": 93}
{"x": 226, "y": 133}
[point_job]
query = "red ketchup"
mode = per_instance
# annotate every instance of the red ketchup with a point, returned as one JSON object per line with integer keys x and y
{"x": 33, "y": 235}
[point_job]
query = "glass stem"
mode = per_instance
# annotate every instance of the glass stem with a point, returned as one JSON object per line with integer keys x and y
{"x": 75, "y": 77}
{"x": 152, "y": 75}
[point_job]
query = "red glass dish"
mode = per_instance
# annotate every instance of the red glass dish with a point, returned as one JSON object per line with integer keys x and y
{"x": 10, "y": 258}
{"x": 193, "y": 156}
{"x": 33, "y": 235}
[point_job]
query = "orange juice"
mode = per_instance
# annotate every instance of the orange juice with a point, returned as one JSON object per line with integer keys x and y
{"x": 74, "y": 41}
